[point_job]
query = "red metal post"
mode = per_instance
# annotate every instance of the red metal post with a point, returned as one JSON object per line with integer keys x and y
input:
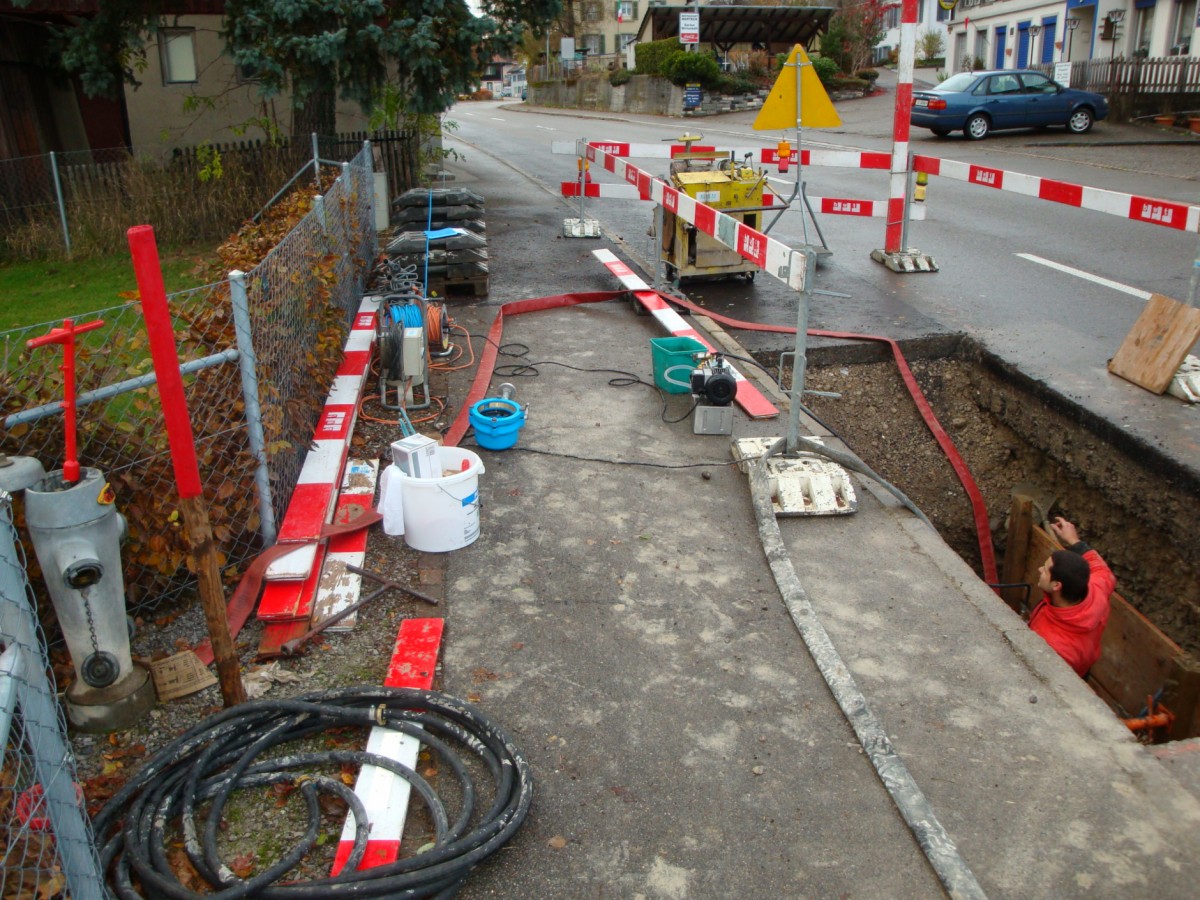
{"x": 893, "y": 241}
{"x": 66, "y": 337}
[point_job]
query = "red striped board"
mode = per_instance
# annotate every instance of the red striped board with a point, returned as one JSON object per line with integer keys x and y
{"x": 315, "y": 494}
{"x": 338, "y": 586}
{"x": 385, "y": 796}
{"x": 774, "y": 257}
{"x": 748, "y": 397}
{"x": 842, "y": 159}
{"x": 1165, "y": 213}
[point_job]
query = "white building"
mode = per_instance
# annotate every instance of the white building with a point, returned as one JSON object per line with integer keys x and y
{"x": 1013, "y": 34}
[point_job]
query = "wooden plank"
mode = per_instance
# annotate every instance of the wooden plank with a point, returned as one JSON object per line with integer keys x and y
{"x": 1158, "y": 342}
{"x": 1016, "y": 552}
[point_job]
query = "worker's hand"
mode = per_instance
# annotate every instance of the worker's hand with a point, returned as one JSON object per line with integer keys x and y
{"x": 1064, "y": 531}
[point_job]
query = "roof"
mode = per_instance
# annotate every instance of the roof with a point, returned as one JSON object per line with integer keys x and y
{"x": 728, "y": 25}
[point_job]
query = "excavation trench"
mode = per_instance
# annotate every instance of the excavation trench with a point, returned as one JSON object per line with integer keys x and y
{"x": 1133, "y": 504}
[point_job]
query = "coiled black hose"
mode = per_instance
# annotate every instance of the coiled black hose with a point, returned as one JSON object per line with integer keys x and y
{"x": 226, "y": 752}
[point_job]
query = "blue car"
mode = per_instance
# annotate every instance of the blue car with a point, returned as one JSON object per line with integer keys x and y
{"x": 978, "y": 103}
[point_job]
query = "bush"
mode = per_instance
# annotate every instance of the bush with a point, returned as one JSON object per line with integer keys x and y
{"x": 620, "y": 77}
{"x": 735, "y": 84}
{"x": 868, "y": 75}
{"x": 689, "y": 68}
{"x": 847, "y": 83}
{"x": 826, "y": 69}
{"x": 651, "y": 57}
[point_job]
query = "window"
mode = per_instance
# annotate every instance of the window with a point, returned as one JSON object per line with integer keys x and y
{"x": 1004, "y": 84}
{"x": 627, "y": 11}
{"x": 177, "y": 51}
{"x": 1181, "y": 32}
{"x": 593, "y": 44}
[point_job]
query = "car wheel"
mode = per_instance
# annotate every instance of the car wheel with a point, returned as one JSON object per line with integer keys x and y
{"x": 977, "y": 127}
{"x": 940, "y": 132}
{"x": 1080, "y": 121}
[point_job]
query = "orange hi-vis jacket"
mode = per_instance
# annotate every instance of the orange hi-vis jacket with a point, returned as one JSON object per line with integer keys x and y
{"x": 1074, "y": 631}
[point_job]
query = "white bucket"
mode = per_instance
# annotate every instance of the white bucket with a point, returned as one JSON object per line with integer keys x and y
{"x": 443, "y": 513}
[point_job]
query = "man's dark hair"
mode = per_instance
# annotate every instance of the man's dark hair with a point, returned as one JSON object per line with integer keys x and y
{"x": 1072, "y": 571}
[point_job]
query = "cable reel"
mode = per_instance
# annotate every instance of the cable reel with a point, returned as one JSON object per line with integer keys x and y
{"x": 403, "y": 351}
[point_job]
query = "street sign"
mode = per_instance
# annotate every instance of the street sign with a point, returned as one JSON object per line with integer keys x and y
{"x": 1062, "y": 73}
{"x": 689, "y": 28}
{"x": 779, "y": 111}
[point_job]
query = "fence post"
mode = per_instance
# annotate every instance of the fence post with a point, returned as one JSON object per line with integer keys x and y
{"x": 42, "y": 730}
{"x": 62, "y": 206}
{"x": 316, "y": 151}
{"x": 248, "y": 364}
{"x": 319, "y": 209}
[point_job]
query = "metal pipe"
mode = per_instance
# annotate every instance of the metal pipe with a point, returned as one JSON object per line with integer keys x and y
{"x": 247, "y": 365}
{"x": 112, "y": 390}
{"x": 62, "y": 206}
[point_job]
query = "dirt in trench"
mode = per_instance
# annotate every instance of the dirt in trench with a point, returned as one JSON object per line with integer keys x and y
{"x": 1127, "y": 511}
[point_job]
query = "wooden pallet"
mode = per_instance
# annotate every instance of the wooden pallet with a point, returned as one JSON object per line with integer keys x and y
{"x": 474, "y": 286}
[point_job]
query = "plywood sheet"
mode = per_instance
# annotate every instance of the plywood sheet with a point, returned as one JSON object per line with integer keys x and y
{"x": 1158, "y": 342}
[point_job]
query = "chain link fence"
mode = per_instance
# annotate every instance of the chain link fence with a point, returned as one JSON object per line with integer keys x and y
{"x": 47, "y": 848}
{"x": 250, "y": 374}
{"x": 81, "y": 202}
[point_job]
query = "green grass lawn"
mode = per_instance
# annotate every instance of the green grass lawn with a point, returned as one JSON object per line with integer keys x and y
{"x": 51, "y": 290}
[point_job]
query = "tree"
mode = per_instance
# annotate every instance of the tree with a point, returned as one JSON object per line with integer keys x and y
{"x": 853, "y": 32}
{"x": 426, "y": 50}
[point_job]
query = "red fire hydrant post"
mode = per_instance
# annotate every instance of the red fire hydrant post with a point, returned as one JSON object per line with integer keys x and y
{"x": 66, "y": 337}
{"x": 161, "y": 334}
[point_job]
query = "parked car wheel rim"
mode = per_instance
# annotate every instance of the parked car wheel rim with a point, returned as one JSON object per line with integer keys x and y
{"x": 977, "y": 127}
{"x": 1080, "y": 121}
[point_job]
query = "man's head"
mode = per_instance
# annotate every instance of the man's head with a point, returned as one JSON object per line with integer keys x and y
{"x": 1066, "y": 572}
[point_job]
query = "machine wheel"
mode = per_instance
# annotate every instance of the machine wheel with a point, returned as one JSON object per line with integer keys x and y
{"x": 977, "y": 127}
{"x": 749, "y": 276}
{"x": 1080, "y": 121}
{"x": 940, "y": 132}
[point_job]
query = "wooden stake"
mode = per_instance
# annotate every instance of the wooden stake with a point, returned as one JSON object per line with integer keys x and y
{"x": 212, "y": 598}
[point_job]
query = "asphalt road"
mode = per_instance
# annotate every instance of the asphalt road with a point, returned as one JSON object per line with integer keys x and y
{"x": 1052, "y": 289}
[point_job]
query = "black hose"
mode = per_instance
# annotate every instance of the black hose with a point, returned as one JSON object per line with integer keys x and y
{"x": 201, "y": 769}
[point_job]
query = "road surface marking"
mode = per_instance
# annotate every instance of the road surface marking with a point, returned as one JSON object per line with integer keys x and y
{"x": 1087, "y": 276}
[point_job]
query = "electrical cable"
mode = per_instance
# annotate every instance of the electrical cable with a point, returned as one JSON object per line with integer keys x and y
{"x": 202, "y": 768}
{"x": 914, "y": 807}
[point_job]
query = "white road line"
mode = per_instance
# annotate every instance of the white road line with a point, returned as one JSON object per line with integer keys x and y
{"x": 496, "y": 118}
{"x": 545, "y": 128}
{"x": 1087, "y": 276}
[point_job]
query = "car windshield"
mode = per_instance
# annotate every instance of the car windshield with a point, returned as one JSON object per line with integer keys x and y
{"x": 957, "y": 83}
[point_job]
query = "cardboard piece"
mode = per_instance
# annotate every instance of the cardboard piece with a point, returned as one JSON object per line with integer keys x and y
{"x": 1157, "y": 344}
{"x": 180, "y": 675}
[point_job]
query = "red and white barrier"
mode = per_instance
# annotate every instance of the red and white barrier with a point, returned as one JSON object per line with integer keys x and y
{"x": 1167, "y": 213}
{"x": 844, "y": 159}
{"x": 748, "y": 397}
{"x": 385, "y": 795}
{"x": 774, "y": 257}
{"x": 893, "y": 242}
{"x": 315, "y": 496}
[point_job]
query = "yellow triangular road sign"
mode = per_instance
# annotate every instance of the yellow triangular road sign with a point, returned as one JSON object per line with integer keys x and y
{"x": 779, "y": 109}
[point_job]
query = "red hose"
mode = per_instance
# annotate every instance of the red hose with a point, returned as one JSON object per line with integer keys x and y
{"x": 487, "y": 362}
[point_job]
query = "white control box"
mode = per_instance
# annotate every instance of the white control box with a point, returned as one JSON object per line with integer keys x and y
{"x": 417, "y": 456}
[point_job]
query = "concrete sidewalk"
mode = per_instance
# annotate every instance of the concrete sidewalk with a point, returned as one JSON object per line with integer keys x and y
{"x": 619, "y": 618}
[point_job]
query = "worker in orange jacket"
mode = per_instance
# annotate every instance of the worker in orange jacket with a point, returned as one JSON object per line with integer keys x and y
{"x": 1076, "y": 584}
